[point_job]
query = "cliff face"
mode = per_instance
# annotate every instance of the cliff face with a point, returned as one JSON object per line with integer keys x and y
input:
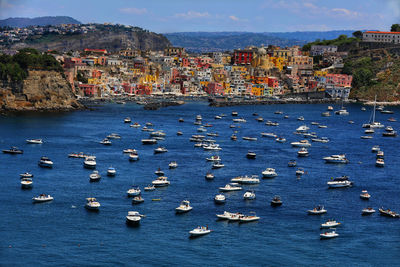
{"x": 41, "y": 90}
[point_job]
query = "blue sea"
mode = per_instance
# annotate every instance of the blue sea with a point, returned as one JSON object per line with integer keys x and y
{"x": 64, "y": 233}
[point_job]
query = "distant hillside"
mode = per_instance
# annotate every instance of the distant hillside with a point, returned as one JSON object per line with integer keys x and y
{"x": 39, "y": 21}
{"x": 110, "y": 37}
{"x": 221, "y": 41}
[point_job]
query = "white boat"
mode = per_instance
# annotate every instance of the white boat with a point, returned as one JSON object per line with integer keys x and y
{"x": 321, "y": 140}
{"x": 217, "y": 165}
{"x": 248, "y": 218}
{"x": 89, "y": 162}
{"x": 220, "y": 198}
{"x": 160, "y": 150}
{"x": 26, "y": 175}
{"x": 226, "y": 215}
{"x": 198, "y": 118}
{"x": 380, "y": 162}
{"x": 135, "y": 125}
{"x": 373, "y": 123}
{"x": 301, "y": 118}
{"x": 201, "y": 129}
{"x": 239, "y": 120}
{"x": 328, "y": 235}
{"x": 95, "y": 176}
{"x": 269, "y": 173}
{"x": 314, "y": 123}
{"x": 133, "y": 157}
{"x": 150, "y": 188}
{"x": 229, "y": 188}
{"x": 149, "y": 141}
{"x": 340, "y": 182}
{"x": 317, "y": 210}
{"x": 380, "y": 154}
{"x": 336, "y": 159}
{"x": 322, "y": 126}
{"x": 45, "y": 162}
{"x": 147, "y": 129}
{"x": 246, "y": 179}
{"x": 184, "y": 207}
{"x": 159, "y": 172}
{"x": 280, "y": 140}
{"x": 247, "y": 138}
{"x": 173, "y": 165}
{"x": 249, "y": 195}
{"x": 209, "y": 176}
{"x": 214, "y": 158}
{"x": 137, "y": 199}
{"x": 129, "y": 151}
{"x": 92, "y": 204}
{"x": 77, "y": 155}
{"x": 369, "y": 131}
{"x": 201, "y": 230}
{"x": 342, "y": 111}
{"x": 218, "y": 117}
{"x": 134, "y": 191}
{"x": 276, "y": 201}
{"x": 42, "y": 198}
{"x": 111, "y": 171}
{"x": 212, "y": 147}
{"x": 127, "y": 120}
{"x": 326, "y": 114}
{"x": 366, "y": 137}
{"x": 303, "y": 152}
{"x": 302, "y": 128}
{"x": 302, "y": 143}
{"x": 133, "y": 217}
{"x": 159, "y": 133}
{"x": 365, "y": 195}
{"x": 26, "y": 182}
{"x": 375, "y": 149}
{"x": 114, "y": 136}
{"x": 234, "y": 113}
{"x": 300, "y": 172}
{"x": 367, "y": 211}
{"x": 330, "y": 108}
{"x": 105, "y": 142}
{"x": 161, "y": 181}
{"x": 269, "y": 135}
{"x": 34, "y": 141}
{"x": 330, "y": 223}
{"x": 292, "y": 163}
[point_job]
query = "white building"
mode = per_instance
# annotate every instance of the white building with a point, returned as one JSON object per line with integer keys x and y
{"x": 381, "y": 37}
{"x": 319, "y": 50}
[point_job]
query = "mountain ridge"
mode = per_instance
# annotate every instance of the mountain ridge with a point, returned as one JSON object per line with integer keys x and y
{"x": 37, "y": 21}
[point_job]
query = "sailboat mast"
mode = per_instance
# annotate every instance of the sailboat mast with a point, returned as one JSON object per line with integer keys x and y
{"x": 373, "y": 117}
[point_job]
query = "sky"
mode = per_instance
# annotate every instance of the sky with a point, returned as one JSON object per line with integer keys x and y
{"x": 163, "y": 16}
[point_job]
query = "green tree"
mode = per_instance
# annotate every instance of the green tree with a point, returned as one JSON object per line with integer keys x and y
{"x": 358, "y": 34}
{"x": 395, "y": 28}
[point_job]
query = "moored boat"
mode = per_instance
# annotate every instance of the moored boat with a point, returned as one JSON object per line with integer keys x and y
{"x": 42, "y": 198}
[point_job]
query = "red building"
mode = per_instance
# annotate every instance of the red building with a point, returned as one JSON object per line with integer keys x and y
{"x": 243, "y": 57}
{"x": 142, "y": 89}
{"x": 129, "y": 89}
{"x": 273, "y": 82}
{"x": 339, "y": 79}
{"x": 96, "y": 74}
{"x": 214, "y": 88}
{"x": 89, "y": 90}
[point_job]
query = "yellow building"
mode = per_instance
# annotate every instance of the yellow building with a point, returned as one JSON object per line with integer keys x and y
{"x": 279, "y": 62}
{"x": 320, "y": 73}
{"x": 257, "y": 90}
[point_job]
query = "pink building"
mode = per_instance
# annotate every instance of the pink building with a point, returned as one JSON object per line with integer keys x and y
{"x": 339, "y": 79}
{"x": 214, "y": 88}
{"x": 129, "y": 89}
{"x": 89, "y": 90}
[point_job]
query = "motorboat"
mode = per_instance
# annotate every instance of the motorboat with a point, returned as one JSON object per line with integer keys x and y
{"x": 150, "y": 141}
{"x": 34, "y": 141}
{"x": 351, "y": 122}
{"x": 312, "y": 135}
{"x": 213, "y": 134}
{"x": 260, "y": 119}
{"x": 211, "y": 147}
{"x": 137, "y": 199}
{"x": 314, "y": 123}
{"x": 134, "y": 191}
{"x": 133, "y": 157}
{"x": 269, "y": 135}
{"x": 161, "y": 181}
{"x": 269, "y": 173}
{"x": 330, "y": 108}
{"x": 326, "y": 114}
{"x": 198, "y": 118}
{"x": 173, "y": 165}
{"x": 26, "y": 183}
{"x": 366, "y": 137}
{"x": 89, "y": 162}
{"x": 272, "y": 123}
{"x": 105, "y": 142}
{"x": 292, "y": 163}
{"x": 336, "y": 159}
{"x": 159, "y": 133}
{"x": 249, "y": 195}
{"x": 150, "y": 188}
{"x": 380, "y": 162}
{"x": 300, "y": 172}
{"x": 113, "y": 136}
{"x": 159, "y": 172}
{"x": 369, "y": 131}
{"x": 127, "y": 120}
{"x": 45, "y": 162}
{"x": 184, "y": 207}
{"x": 149, "y": 124}
{"x": 388, "y": 213}
{"x": 278, "y": 112}
{"x": 79, "y": 155}
{"x": 229, "y": 188}
{"x": 286, "y": 117}
{"x": 26, "y": 175}
{"x": 181, "y": 120}
{"x": 246, "y": 179}
{"x": 302, "y": 143}
{"x": 133, "y": 218}
{"x": 135, "y": 125}
{"x": 342, "y": 111}
{"x": 111, "y": 171}
{"x": 217, "y": 117}
{"x": 385, "y": 111}
{"x": 322, "y": 126}
{"x": 302, "y": 128}
{"x": 214, "y": 158}
{"x": 209, "y": 176}
{"x": 365, "y": 195}
{"x": 251, "y": 155}
{"x": 375, "y": 149}
{"x": 233, "y": 137}
{"x": 226, "y": 215}
{"x": 380, "y": 154}
{"x": 321, "y": 140}
{"x": 248, "y": 218}
{"x": 280, "y": 140}
{"x": 239, "y": 120}
{"x": 340, "y": 182}
{"x": 328, "y": 235}
{"x": 129, "y": 151}
{"x": 217, "y": 165}
{"x": 276, "y": 201}
{"x": 201, "y": 129}
{"x": 220, "y": 199}
{"x": 301, "y": 118}
{"x": 330, "y": 224}
{"x": 392, "y": 119}
{"x": 147, "y": 129}
{"x": 367, "y": 211}
{"x": 235, "y": 217}
{"x": 317, "y": 210}
{"x": 389, "y": 134}
{"x": 207, "y": 125}
{"x": 197, "y": 123}
{"x": 13, "y": 150}
{"x": 92, "y": 204}
{"x": 363, "y": 109}
{"x": 160, "y": 150}
{"x": 95, "y": 176}
{"x": 199, "y": 231}
{"x": 247, "y": 138}
{"x": 42, "y": 198}
{"x": 389, "y": 129}
{"x": 234, "y": 113}
{"x": 303, "y": 152}
{"x": 179, "y": 133}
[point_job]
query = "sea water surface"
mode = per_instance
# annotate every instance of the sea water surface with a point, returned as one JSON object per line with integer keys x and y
{"x": 64, "y": 233}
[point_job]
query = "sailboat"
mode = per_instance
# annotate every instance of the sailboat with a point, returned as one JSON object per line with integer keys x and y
{"x": 342, "y": 110}
{"x": 373, "y": 123}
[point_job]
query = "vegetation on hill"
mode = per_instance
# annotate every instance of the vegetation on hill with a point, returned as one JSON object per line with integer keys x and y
{"x": 340, "y": 41}
{"x": 15, "y": 68}
{"x": 39, "y": 21}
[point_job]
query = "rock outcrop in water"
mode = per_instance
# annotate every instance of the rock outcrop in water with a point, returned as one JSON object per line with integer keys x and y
{"x": 40, "y": 91}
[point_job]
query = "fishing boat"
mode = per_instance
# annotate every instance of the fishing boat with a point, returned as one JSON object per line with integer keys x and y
{"x": 34, "y": 141}
{"x": 199, "y": 231}
{"x": 133, "y": 218}
{"x": 42, "y": 198}
{"x": 92, "y": 204}
{"x": 90, "y": 162}
{"x": 45, "y": 162}
{"x": 184, "y": 207}
{"x": 13, "y": 150}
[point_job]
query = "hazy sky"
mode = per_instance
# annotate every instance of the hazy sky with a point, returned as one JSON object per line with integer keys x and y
{"x": 218, "y": 15}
